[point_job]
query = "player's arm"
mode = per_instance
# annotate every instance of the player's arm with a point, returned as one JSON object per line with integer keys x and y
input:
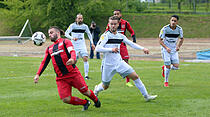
{"x": 68, "y": 31}
{"x": 71, "y": 51}
{"x": 181, "y": 40}
{"x": 101, "y": 43}
{"x": 134, "y": 45}
{"x": 161, "y": 37}
{"x": 90, "y": 37}
{"x": 43, "y": 65}
{"x": 129, "y": 28}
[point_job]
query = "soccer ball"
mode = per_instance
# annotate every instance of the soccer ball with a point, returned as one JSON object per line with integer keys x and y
{"x": 38, "y": 38}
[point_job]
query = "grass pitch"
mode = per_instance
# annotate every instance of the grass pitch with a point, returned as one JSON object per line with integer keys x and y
{"x": 187, "y": 96}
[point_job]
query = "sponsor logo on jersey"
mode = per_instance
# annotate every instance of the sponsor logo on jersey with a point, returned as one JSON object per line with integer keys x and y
{"x": 123, "y": 26}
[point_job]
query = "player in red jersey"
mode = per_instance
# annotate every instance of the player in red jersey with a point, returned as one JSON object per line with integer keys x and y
{"x": 123, "y": 26}
{"x": 63, "y": 58}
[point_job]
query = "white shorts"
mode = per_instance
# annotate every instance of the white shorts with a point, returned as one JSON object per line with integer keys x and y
{"x": 170, "y": 58}
{"x": 108, "y": 71}
{"x": 81, "y": 52}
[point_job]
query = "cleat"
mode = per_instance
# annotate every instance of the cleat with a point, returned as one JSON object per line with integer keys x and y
{"x": 129, "y": 84}
{"x": 97, "y": 104}
{"x": 87, "y": 78}
{"x": 85, "y": 107}
{"x": 163, "y": 71}
{"x": 150, "y": 97}
{"x": 166, "y": 84}
{"x": 95, "y": 92}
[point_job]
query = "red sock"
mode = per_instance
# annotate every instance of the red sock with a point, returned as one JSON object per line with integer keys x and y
{"x": 127, "y": 79}
{"x": 77, "y": 101}
{"x": 93, "y": 96}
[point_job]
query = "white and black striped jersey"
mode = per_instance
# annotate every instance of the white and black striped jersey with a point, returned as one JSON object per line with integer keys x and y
{"x": 107, "y": 41}
{"x": 170, "y": 37}
{"x": 77, "y": 31}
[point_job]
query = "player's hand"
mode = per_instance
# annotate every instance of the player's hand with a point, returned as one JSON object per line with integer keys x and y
{"x": 75, "y": 39}
{"x": 168, "y": 50}
{"x": 36, "y": 78}
{"x": 177, "y": 48}
{"x": 93, "y": 47}
{"x": 115, "y": 50}
{"x": 146, "y": 51}
{"x": 70, "y": 62}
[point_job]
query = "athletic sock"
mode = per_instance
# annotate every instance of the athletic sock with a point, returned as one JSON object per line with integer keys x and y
{"x": 174, "y": 68}
{"x": 141, "y": 87}
{"x": 77, "y": 101}
{"x": 86, "y": 68}
{"x": 99, "y": 87}
{"x": 127, "y": 79}
{"x": 93, "y": 96}
{"x": 167, "y": 71}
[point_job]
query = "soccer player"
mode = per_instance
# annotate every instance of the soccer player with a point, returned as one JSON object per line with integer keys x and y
{"x": 63, "y": 58}
{"x": 77, "y": 30}
{"x": 123, "y": 26}
{"x": 170, "y": 39}
{"x": 109, "y": 45}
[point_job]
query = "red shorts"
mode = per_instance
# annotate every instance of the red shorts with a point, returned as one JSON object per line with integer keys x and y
{"x": 124, "y": 51}
{"x": 75, "y": 80}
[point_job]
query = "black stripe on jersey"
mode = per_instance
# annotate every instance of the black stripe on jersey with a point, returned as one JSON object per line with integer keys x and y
{"x": 59, "y": 61}
{"x": 114, "y": 41}
{"x": 78, "y": 30}
{"x": 67, "y": 53}
{"x": 172, "y": 35}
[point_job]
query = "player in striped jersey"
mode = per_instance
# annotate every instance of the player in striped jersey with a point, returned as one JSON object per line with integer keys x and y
{"x": 170, "y": 45}
{"x": 77, "y": 30}
{"x": 112, "y": 63}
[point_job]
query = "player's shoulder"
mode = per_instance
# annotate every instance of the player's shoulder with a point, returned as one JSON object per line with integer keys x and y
{"x": 179, "y": 27}
{"x": 165, "y": 27}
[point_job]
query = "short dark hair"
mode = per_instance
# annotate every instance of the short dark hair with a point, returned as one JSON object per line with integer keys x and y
{"x": 118, "y": 10}
{"x": 58, "y": 29}
{"x": 114, "y": 18}
{"x": 176, "y": 16}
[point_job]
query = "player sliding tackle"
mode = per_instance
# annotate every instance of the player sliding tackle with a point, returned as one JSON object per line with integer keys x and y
{"x": 109, "y": 45}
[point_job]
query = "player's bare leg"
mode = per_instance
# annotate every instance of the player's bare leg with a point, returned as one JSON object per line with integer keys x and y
{"x": 139, "y": 84}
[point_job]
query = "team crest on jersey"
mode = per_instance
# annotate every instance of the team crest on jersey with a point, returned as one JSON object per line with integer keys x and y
{"x": 123, "y": 26}
{"x": 102, "y": 38}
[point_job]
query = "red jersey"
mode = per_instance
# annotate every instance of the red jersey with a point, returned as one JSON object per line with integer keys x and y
{"x": 60, "y": 52}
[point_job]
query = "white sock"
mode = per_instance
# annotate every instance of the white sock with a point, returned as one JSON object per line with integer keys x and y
{"x": 141, "y": 87}
{"x": 167, "y": 71}
{"x": 174, "y": 68}
{"x": 99, "y": 87}
{"x": 86, "y": 68}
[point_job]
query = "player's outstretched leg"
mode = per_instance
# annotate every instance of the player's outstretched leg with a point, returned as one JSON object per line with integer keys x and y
{"x": 139, "y": 84}
{"x": 93, "y": 97}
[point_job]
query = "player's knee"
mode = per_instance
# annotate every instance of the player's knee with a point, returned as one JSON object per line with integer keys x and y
{"x": 168, "y": 66}
{"x": 105, "y": 87}
{"x": 87, "y": 93}
{"x": 85, "y": 58}
{"x": 67, "y": 100}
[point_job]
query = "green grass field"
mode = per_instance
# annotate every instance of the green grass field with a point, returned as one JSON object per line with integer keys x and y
{"x": 187, "y": 96}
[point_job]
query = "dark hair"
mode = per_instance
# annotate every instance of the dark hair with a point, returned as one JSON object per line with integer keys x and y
{"x": 114, "y": 18}
{"x": 176, "y": 16}
{"x": 58, "y": 29}
{"x": 118, "y": 10}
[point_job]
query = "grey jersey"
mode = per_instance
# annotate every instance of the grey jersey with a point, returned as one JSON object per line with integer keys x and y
{"x": 108, "y": 41}
{"x": 170, "y": 37}
{"x": 77, "y": 31}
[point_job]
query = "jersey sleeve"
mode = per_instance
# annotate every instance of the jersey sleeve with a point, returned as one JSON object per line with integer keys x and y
{"x": 70, "y": 49}
{"x": 44, "y": 62}
{"x": 162, "y": 33}
{"x": 68, "y": 31}
{"x": 101, "y": 43}
{"x": 130, "y": 29}
{"x": 89, "y": 34}
{"x": 107, "y": 27}
{"x": 181, "y": 33}
{"x": 130, "y": 43}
